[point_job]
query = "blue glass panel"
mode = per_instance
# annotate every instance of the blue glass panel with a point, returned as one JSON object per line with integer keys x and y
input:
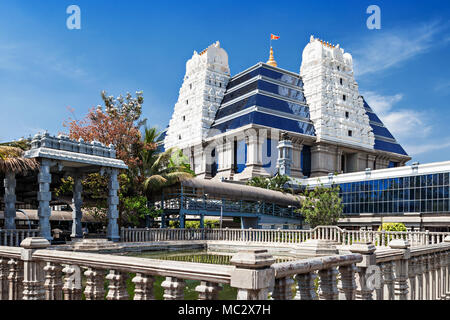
{"x": 389, "y": 147}
{"x": 296, "y": 81}
{"x": 267, "y": 120}
{"x": 381, "y": 131}
{"x": 266, "y": 102}
{"x": 239, "y": 92}
{"x": 373, "y": 117}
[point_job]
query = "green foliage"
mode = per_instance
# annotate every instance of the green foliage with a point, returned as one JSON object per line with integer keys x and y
{"x": 322, "y": 206}
{"x": 392, "y": 226}
{"x": 277, "y": 183}
{"x": 134, "y": 209}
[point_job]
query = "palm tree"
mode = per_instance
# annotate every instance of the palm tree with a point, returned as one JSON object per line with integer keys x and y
{"x": 162, "y": 169}
{"x": 11, "y": 160}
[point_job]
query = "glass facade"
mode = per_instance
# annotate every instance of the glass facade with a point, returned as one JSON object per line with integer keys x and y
{"x": 422, "y": 193}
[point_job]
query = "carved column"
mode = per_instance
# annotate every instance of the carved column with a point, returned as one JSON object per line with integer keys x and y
{"x": 95, "y": 289}
{"x": 44, "y": 197}
{"x": 401, "y": 269}
{"x": 387, "y": 269}
{"x": 4, "y": 287}
{"x": 173, "y": 288}
{"x": 10, "y": 200}
{"x": 305, "y": 286}
{"x": 412, "y": 278}
{"x": 53, "y": 281}
{"x": 113, "y": 202}
{"x": 427, "y": 284}
{"x": 347, "y": 284}
{"x": 283, "y": 289}
{"x": 72, "y": 283}
{"x": 253, "y": 276}
{"x": 15, "y": 278}
{"x": 143, "y": 287}
{"x": 420, "y": 269}
{"x": 208, "y": 290}
{"x": 33, "y": 275}
{"x": 77, "y": 214}
{"x": 328, "y": 284}
{"x": 444, "y": 264}
{"x": 117, "y": 288}
{"x": 367, "y": 250}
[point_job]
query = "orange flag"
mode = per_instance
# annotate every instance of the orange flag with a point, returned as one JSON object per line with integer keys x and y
{"x": 273, "y": 37}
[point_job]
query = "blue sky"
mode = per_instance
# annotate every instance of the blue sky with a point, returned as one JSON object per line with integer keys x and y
{"x": 402, "y": 70}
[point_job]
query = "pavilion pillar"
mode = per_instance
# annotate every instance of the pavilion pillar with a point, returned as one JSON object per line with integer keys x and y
{"x": 77, "y": 214}
{"x": 113, "y": 202}
{"x": 10, "y": 200}
{"x": 44, "y": 196}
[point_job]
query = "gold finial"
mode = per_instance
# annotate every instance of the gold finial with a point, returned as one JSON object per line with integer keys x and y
{"x": 271, "y": 60}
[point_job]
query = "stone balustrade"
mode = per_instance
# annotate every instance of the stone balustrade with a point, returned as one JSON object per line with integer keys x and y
{"x": 64, "y": 143}
{"x": 397, "y": 272}
{"x": 332, "y": 233}
{"x": 13, "y": 237}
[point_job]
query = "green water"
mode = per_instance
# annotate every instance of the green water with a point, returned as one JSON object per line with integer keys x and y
{"x": 198, "y": 256}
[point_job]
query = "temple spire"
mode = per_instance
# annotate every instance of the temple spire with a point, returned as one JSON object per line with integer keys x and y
{"x": 271, "y": 60}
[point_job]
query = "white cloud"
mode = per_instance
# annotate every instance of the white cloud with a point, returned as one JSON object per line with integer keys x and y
{"x": 403, "y": 123}
{"x": 418, "y": 148}
{"x": 387, "y": 49}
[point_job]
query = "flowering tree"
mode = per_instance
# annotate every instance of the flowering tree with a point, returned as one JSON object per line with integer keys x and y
{"x": 118, "y": 123}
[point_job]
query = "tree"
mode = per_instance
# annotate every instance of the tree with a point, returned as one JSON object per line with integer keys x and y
{"x": 165, "y": 169}
{"x": 12, "y": 160}
{"x": 277, "y": 183}
{"x": 118, "y": 123}
{"x": 322, "y": 206}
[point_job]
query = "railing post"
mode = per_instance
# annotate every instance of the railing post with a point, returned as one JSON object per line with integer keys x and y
{"x": 347, "y": 284}
{"x": 3, "y": 279}
{"x": 401, "y": 269}
{"x": 367, "y": 250}
{"x": 327, "y": 284}
{"x": 283, "y": 289}
{"x": 53, "y": 281}
{"x": 208, "y": 290}
{"x": 173, "y": 288}
{"x": 94, "y": 289}
{"x": 252, "y": 275}
{"x": 447, "y": 270}
{"x": 143, "y": 287}
{"x": 33, "y": 275}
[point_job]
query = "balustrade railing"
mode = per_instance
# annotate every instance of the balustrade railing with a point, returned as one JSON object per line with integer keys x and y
{"x": 395, "y": 272}
{"x": 330, "y": 233}
{"x": 13, "y": 237}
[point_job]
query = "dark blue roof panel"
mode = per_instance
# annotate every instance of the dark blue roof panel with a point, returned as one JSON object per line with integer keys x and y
{"x": 381, "y": 131}
{"x": 268, "y": 120}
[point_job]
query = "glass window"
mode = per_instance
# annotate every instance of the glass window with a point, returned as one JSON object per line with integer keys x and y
{"x": 441, "y": 179}
{"x": 446, "y": 179}
{"x": 417, "y": 206}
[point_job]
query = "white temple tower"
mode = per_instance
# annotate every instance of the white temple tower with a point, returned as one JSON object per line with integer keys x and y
{"x": 205, "y": 81}
{"x": 336, "y": 108}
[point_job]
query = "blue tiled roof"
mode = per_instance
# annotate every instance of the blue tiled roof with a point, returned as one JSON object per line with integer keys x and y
{"x": 266, "y": 96}
{"x": 384, "y": 140}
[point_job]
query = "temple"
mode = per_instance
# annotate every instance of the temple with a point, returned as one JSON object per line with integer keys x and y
{"x": 265, "y": 119}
